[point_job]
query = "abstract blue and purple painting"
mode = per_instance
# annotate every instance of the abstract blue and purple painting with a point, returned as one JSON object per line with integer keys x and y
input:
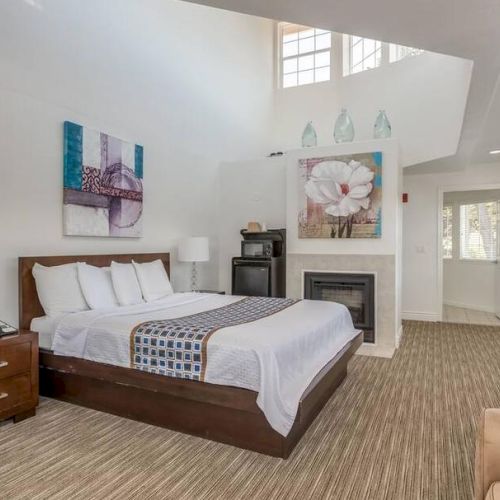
{"x": 103, "y": 179}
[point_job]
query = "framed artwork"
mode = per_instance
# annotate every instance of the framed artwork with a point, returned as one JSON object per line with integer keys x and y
{"x": 340, "y": 196}
{"x": 103, "y": 177}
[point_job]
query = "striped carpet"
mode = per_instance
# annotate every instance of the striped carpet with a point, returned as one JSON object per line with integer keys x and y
{"x": 396, "y": 429}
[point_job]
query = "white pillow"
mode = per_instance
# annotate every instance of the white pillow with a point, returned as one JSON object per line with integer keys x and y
{"x": 58, "y": 289}
{"x": 97, "y": 286}
{"x": 153, "y": 280}
{"x": 125, "y": 284}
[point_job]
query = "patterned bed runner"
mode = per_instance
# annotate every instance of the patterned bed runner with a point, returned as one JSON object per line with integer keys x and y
{"x": 178, "y": 347}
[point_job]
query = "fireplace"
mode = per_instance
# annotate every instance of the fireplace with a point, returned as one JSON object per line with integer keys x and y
{"x": 355, "y": 291}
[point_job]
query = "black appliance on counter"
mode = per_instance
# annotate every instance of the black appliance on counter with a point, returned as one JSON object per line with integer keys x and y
{"x": 261, "y": 269}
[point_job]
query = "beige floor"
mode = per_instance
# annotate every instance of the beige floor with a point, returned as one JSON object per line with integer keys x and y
{"x": 453, "y": 314}
{"x": 396, "y": 429}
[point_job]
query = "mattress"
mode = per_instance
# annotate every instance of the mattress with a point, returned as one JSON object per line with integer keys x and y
{"x": 46, "y": 328}
{"x": 277, "y": 356}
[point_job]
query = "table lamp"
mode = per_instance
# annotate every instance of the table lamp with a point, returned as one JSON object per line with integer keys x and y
{"x": 194, "y": 249}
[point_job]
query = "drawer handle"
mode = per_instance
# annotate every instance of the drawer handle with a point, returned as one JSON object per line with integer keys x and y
{"x": 3, "y": 395}
{"x": 3, "y": 364}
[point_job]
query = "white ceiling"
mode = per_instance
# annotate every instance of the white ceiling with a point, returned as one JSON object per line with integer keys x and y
{"x": 464, "y": 28}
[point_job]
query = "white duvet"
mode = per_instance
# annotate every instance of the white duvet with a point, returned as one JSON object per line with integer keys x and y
{"x": 276, "y": 356}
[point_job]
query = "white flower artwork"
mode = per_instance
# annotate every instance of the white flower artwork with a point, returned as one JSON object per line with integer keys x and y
{"x": 342, "y": 197}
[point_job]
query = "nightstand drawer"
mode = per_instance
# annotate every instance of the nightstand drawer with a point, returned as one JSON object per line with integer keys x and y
{"x": 14, "y": 391}
{"x": 14, "y": 359}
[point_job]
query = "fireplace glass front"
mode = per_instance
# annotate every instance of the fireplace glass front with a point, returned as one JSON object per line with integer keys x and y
{"x": 355, "y": 291}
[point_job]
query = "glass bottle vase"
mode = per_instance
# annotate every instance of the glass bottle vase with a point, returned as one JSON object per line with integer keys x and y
{"x": 309, "y": 137}
{"x": 344, "y": 128}
{"x": 382, "y": 128}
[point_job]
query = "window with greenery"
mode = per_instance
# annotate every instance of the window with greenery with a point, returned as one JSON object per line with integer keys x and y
{"x": 305, "y": 54}
{"x": 478, "y": 231}
{"x": 398, "y": 52}
{"x": 447, "y": 232}
{"x": 364, "y": 54}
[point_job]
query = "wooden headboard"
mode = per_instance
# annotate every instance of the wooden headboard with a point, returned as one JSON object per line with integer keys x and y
{"x": 29, "y": 305}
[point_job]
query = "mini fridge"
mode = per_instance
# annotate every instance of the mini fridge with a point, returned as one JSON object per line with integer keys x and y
{"x": 261, "y": 276}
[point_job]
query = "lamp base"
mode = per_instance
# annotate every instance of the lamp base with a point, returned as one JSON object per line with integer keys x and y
{"x": 194, "y": 278}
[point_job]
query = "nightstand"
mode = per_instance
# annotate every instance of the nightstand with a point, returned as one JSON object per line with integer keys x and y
{"x": 218, "y": 292}
{"x": 19, "y": 375}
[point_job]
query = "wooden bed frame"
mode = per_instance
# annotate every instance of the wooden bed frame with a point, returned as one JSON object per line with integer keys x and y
{"x": 221, "y": 413}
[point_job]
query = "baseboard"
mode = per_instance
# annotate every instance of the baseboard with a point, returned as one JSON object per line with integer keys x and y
{"x": 469, "y": 306}
{"x": 420, "y": 316}
{"x": 375, "y": 350}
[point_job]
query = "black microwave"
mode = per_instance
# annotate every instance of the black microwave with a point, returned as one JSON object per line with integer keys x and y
{"x": 257, "y": 248}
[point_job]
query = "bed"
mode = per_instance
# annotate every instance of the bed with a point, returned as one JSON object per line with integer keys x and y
{"x": 229, "y": 414}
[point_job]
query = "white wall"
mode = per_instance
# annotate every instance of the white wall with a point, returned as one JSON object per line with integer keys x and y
{"x": 421, "y": 285}
{"x": 424, "y": 98}
{"x": 249, "y": 191}
{"x": 468, "y": 283}
{"x": 190, "y": 83}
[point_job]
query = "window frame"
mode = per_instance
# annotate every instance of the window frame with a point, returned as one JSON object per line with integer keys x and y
{"x": 452, "y": 216}
{"x": 379, "y": 47}
{"x": 281, "y": 58}
{"x": 340, "y": 58}
{"x": 412, "y": 52}
{"x": 481, "y": 260}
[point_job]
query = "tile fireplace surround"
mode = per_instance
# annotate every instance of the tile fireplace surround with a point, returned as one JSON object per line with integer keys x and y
{"x": 387, "y": 319}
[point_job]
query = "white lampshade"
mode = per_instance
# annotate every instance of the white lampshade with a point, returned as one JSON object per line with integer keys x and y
{"x": 193, "y": 249}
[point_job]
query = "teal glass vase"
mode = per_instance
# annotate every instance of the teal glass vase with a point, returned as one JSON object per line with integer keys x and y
{"x": 344, "y": 128}
{"x": 382, "y": 128}
{"x": 309, "y": 137}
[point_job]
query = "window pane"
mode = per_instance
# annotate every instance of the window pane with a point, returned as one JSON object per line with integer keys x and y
{"x": 324, "y": 41}
{"x": 306, "y": 77}
{"x": 290, "y": 37}
{"x": 306, "y": 33}
{"x": 290, "y": 49}
{"x": 393, "y": 52}
{"x": 322, "y": 59}
{"x": 369, "y": 62}
{"x": 369, "y": 46}
{"x": 290, "y": 80}
{"x": 478, "y": 231}
{"x": 357, "y": 54}
{"x": 357, "y": 68}
{"x": 305, "y": 55}
{"x": 398, "y": 52}
{"x": 306, "y": 45}
{"x": 322, "y": 74}
{"x": 447, "y": 232}
{"x": 290, "y": 65}
{"x": 306, "y": 62}
{"x": 364, "y": 54}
